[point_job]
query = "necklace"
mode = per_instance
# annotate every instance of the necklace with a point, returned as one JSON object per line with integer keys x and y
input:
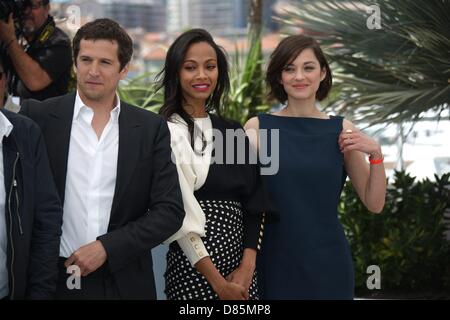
{"x": 198, "y": 132}
{"x": 204, "y": 144}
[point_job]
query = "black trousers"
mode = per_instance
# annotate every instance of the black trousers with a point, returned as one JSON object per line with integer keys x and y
{"x": 98, "y": 285}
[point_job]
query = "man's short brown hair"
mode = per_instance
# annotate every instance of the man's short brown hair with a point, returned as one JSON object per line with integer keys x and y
{"x": 105, "y": 29}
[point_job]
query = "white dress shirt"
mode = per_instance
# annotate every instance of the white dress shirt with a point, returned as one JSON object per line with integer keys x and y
{"x": 90, "y": 180}
{"x": 192, "y": 173}
{"x": 5, "y": 129}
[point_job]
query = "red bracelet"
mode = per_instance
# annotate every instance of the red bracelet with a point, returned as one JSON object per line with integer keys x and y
{"x": 376, "y": 161}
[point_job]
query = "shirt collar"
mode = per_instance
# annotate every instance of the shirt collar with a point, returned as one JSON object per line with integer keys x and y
{"x": 79, "y": 105}
{"x": 5, "y": 126}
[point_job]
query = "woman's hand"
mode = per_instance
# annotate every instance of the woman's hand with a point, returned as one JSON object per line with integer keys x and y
{"x": 230, "y": 291}
{"x": 355, "y": 140}
{"x": 225, "y": 290}
{"x": 243, "y": 276}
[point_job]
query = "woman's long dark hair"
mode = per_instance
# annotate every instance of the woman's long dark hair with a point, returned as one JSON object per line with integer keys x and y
{"x": 169, "y": 78}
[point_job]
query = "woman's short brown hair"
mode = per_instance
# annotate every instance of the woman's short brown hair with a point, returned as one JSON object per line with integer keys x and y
{"x": 286, "y": 52}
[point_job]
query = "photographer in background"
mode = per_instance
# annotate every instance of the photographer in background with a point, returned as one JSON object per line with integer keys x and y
{"x": 42, "y": 68}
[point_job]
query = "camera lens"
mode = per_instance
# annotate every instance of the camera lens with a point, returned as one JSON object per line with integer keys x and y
{"x": 12, "y": 6}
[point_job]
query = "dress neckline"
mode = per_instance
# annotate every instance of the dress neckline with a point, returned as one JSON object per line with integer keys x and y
{"x": 292, "y": 117}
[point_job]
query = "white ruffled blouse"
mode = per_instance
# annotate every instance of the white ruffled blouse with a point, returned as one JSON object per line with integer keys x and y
{"x": 192, "y": 170}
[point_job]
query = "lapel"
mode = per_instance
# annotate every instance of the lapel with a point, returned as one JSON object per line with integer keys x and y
{"x": 128, "y": 154}
{"x": 58, "y": 135}
{"x": 10, "y": 150}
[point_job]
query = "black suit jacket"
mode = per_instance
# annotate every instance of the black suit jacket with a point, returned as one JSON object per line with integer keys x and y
{"x": 147, "y": 205}
{"x": 33, "y": 212}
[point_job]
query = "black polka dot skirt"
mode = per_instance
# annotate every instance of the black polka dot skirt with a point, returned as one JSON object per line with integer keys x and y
{"x": 224, "y": 236}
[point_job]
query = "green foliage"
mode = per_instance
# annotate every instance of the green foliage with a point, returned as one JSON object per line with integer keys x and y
{"x": 406, "y": 240}
{"x": 141, "y": 92}
{"x": 390, "y": 74}
{"x": 72, "y": 86}
{"x": 247, "y": 85}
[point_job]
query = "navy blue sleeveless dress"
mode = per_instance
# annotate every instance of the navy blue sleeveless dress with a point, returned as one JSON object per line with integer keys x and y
{"x": 305, "y": 254}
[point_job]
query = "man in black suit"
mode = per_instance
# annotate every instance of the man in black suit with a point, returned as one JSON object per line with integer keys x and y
{"x": 113, "y": 170}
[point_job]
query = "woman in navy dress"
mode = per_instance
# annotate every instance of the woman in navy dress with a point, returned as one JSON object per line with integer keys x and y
{"x": 305, "y": 255}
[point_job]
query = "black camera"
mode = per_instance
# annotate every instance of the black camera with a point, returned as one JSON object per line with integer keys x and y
{"x": 16, "y": 7}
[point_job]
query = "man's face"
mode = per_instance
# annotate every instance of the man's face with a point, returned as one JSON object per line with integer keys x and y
{"x": 98, "y": 69}
{"x": 35, "y": 16}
